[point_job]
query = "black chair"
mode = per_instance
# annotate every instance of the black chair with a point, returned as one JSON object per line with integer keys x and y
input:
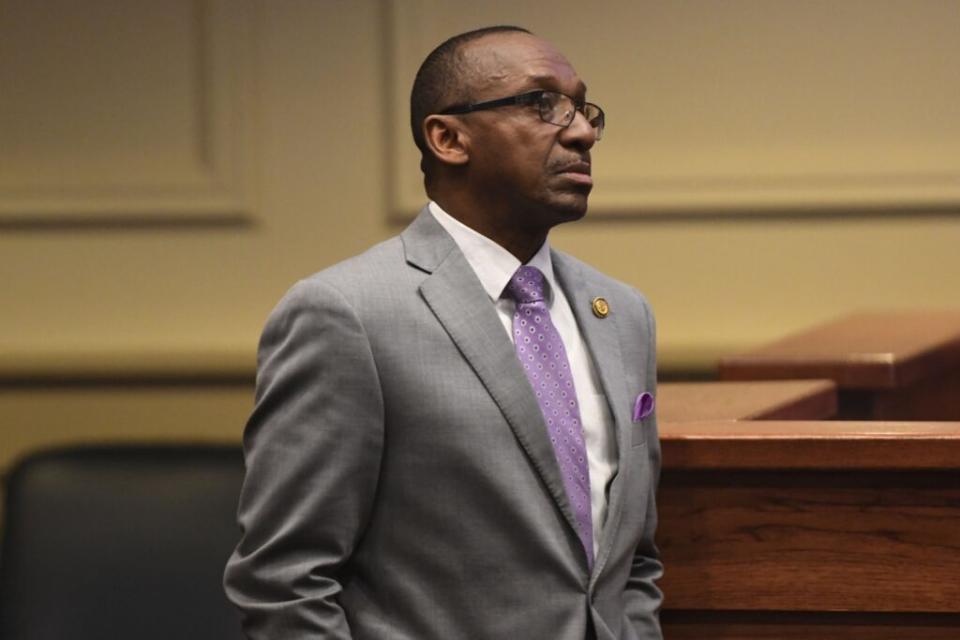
{"x": 120, "y": 542}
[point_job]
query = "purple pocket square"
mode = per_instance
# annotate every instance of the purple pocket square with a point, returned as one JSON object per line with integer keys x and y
{"x": 642, "y": 407}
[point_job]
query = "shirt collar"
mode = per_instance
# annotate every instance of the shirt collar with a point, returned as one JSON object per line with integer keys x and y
{"x": 493, "y": 264}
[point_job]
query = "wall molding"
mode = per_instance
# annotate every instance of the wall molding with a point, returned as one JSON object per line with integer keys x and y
{"x": 119, "y": 364}
{"x": 115, "y": 365}
{"x": 208, "y": 176}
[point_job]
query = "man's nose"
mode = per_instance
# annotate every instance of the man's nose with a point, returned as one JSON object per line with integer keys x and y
{"x": 580, "y": 133}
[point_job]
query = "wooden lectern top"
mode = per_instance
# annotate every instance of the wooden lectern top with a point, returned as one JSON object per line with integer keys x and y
{"x": 754, "y": 400}
{"x": 776, "y": 444}
{"x": 873, "y": 350}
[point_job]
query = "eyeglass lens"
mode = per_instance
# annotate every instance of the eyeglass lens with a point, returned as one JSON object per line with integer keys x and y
{"x": 557, "y": 108}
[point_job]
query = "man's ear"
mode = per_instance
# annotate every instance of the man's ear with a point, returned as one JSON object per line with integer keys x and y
{"x": 447, "y": 139}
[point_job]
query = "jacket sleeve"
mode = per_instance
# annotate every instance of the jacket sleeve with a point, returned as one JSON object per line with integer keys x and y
{"x": 642, "y": 597}
{"x": 312, "y": 448}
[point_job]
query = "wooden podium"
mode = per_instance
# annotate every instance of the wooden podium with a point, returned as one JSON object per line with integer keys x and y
{"x": 888, "y": 365}
{"x": 815, "y": 530}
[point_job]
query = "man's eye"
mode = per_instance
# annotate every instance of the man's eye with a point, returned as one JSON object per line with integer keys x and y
{"x": 549, "y": 99}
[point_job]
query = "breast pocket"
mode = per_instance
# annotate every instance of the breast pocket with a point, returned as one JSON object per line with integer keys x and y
{"x": 638, "y": 432}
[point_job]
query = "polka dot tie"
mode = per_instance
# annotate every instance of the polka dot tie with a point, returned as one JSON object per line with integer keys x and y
{"x": 544, "y": 360}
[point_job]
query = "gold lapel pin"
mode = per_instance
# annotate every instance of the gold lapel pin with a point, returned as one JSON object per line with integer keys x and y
{"x": 600, "y": 307}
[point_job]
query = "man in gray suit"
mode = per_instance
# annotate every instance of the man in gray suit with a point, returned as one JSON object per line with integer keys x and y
{"x": 453, "y": 435}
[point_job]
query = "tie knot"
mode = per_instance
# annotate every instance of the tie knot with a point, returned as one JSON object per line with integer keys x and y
{"x": 527, "y": 285}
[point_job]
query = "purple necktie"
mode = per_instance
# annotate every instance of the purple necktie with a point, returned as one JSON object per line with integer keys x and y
{"x": 544, "y": 360}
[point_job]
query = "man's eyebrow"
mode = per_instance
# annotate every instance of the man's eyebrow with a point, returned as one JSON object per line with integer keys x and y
{"x": 551, "y": 79}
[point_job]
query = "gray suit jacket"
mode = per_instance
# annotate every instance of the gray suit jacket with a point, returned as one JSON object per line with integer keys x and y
{"x": 400, "y": 481}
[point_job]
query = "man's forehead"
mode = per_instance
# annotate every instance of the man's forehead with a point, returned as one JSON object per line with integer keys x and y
{"x": 517, "y": 58}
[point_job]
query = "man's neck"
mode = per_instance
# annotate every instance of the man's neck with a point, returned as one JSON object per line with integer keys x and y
{"x": 522, "y": 243}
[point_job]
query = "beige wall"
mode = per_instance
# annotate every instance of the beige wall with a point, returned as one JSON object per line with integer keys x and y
{"x": 168, "y": 169}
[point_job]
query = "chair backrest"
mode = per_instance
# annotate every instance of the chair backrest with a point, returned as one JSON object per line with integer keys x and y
{"x": 120, "y": 542}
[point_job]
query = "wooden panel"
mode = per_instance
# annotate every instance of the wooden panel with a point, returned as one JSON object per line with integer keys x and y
{"x": 865, "y": 350}
{"x": 811, "y": 541}
{"x": 805, "y": 543}
{"x": 935, "y": 398}
{"x": 762, "y": 400}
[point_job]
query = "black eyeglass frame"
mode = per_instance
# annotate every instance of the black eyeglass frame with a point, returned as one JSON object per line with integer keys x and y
{"x": 531, "y": 98}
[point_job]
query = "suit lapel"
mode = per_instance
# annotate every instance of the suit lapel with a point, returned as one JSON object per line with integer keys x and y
{"x": 602, "y": 337}
{"x": 457, "y": 299}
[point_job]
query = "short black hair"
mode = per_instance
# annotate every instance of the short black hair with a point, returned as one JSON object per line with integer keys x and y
{"x": 441, "y": 80}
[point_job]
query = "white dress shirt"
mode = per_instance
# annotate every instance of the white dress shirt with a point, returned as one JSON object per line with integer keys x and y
{"x": 494, "y": 266}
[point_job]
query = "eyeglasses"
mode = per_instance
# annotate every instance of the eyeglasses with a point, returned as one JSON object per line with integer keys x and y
{"x": 555, "y": 108}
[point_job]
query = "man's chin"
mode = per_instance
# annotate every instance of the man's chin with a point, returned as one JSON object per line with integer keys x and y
{"x": 570, "y": 206}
